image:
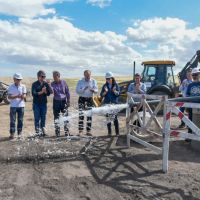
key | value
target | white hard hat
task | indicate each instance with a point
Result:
(109, 75)
(196, 70)
(18, 76)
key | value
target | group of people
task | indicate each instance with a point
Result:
(86, 88)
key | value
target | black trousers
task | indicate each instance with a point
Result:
(85, 103)
(136, 122)
(60, 107)
(116, 124)
(190, 118)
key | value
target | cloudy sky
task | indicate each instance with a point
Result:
(102, 35)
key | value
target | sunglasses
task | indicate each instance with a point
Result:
(108, 78)
(43, 76)
(195, 74)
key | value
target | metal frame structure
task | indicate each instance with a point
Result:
(145, 124)
(165, 132)
(173, 107)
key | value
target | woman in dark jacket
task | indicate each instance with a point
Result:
(110, 93)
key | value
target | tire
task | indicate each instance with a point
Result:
(159, 93)
(153, 106)
(5, 99)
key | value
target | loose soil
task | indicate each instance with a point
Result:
(98, 168)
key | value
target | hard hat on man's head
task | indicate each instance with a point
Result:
(18, 76)
(196, 70)
(109, 75)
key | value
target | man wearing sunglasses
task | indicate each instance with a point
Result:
(40, 90)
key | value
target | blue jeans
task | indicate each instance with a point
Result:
(20, 115)
(40, 111)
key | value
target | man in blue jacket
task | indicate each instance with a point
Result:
(40, 90)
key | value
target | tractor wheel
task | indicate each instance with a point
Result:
(5, 99)
(154, 105)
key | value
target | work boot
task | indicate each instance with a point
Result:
(37, 132)
(88, 133)
(11, 136)
(182, 126)
(80, 133)
(44, 132)
(19, 134)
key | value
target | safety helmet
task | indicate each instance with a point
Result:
(109, 75)
(196, 70)
(18, 76)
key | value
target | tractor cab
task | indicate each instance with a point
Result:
(158, 76)
(158, 73)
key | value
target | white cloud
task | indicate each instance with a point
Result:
(56, 42)
(27, 8)
(160, 38)
(53, 42)
(156, 30)
(99, 3)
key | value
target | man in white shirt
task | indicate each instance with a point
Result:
(137, 87)
(16, 95)
(86, 87)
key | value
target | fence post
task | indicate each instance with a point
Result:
(127, 122)
(166, 135)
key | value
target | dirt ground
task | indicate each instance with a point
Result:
(97, 168)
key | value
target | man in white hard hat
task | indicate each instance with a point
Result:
(17, 95)
(86, 88)
(193, 88)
